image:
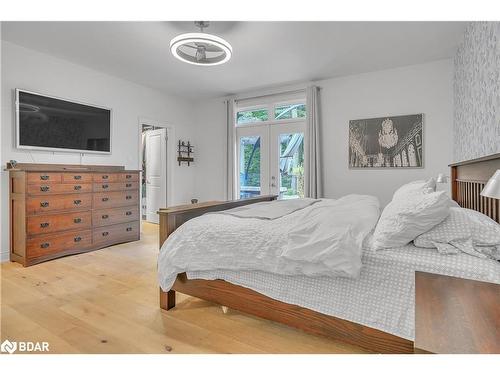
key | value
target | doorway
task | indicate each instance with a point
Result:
(154, 159)
(270, 160)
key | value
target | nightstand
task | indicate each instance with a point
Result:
(454, 315)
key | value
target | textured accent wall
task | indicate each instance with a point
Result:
(477, 92)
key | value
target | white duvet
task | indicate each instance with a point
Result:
(322, 239)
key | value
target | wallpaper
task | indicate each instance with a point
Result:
(477, 92)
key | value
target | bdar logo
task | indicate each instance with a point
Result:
(8, 347)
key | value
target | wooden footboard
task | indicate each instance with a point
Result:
(254, 303)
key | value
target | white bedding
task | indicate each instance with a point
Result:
(269, 210)
(383, 297)
(322, 239)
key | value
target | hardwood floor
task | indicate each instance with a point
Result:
(107, 302)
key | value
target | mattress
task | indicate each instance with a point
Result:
(383, 297)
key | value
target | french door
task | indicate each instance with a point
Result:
(270, 160)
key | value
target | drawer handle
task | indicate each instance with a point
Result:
(78, 187)
(44, 177)
(128, 213)
(104, 234)
(77, 239)
(105, 177)
(105, 199)
(44, 204)
(77, 201)
(129, 229)
(44, 225)
(128, 176)
(77, 220)
(45, 245)
(105, 186)
(44, 188)
(77, 177)
(128, 185)
(128, 197)
(105, 216)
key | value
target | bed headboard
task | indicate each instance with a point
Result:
(468, 179)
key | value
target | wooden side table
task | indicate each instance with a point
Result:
(454, 315)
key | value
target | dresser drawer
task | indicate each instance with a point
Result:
(55, 243)
(114, 215)
(115, 186)
(59, 222)
(105, 177)
(73, 177)
(130, 176)
(112, 234)
(37, 189)
(42, 204)
(34, 177)
(115, 199)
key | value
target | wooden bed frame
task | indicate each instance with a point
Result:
(467, 179)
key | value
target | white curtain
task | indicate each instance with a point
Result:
(313, 183)
(230, 150)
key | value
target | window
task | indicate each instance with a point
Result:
(290, 111)
(253, 115)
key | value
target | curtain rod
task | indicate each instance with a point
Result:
(268, 95)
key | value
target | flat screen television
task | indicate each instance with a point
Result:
(53, 124)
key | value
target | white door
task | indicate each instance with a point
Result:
(271, 160)
(286, 160)
(156, 173)
(252, 150)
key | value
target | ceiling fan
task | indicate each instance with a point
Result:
(201, 48)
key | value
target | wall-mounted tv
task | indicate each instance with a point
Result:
(53, 124)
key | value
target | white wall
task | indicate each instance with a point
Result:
(425, 88)
(31, 70)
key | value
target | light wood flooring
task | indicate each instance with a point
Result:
(106, 301)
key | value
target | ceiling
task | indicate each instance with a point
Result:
(265, 54)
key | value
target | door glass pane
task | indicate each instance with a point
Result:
(291, 166)
(288, 111)
(254, 115)
(249, 166)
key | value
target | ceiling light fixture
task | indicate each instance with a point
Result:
(201, 48)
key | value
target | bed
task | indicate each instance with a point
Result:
(375, 311)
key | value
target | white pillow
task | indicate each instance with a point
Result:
(462, 224)
(404, 219)
(415, 187)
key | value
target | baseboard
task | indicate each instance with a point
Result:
(4, 256)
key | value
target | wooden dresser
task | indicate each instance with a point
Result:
(58, 209)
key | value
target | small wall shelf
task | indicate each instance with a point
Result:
(184, 152)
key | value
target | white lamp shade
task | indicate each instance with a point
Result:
(441, 178)
(492, 188)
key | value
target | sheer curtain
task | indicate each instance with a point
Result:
(230, 151)
(313, 183)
